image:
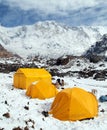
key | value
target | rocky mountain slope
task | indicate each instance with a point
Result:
(4, 53)
(99, 48)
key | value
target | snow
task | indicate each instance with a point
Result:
(15, 102)
(42, 37)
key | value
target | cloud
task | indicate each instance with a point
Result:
(75, 12)
(90, 16)
(53, 5)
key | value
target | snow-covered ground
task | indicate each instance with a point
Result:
(26, 113)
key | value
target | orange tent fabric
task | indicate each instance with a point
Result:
(23, 77)
(41, 89)
(74, 104)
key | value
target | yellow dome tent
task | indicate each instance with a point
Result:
(25, 76)
(41, 89)
(74, 104)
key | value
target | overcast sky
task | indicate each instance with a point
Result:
(78, 12)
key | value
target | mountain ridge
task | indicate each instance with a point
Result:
(49, 39)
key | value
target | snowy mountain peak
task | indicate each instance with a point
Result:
(48, 39)
(47, 24)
